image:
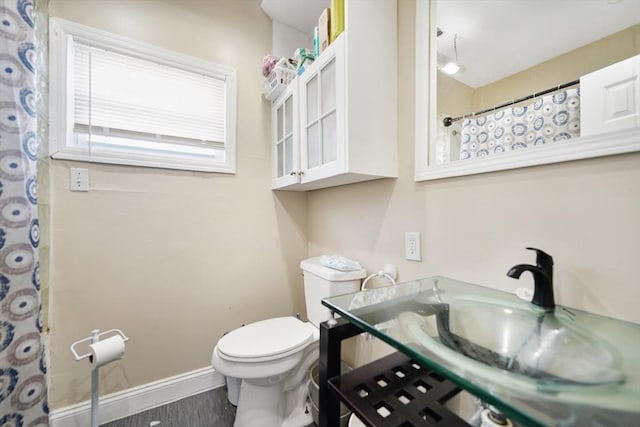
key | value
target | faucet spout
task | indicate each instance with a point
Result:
(542, 277)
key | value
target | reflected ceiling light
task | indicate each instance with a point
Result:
(450, 68)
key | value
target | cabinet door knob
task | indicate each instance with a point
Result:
(292, 173)
(300, 173)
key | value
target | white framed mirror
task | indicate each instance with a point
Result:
(543, 81)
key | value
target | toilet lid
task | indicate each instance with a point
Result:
(266, 338)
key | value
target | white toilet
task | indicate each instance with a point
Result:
(272, 357)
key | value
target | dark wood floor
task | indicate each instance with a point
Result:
(209, 409)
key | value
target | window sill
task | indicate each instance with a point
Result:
(198, 165)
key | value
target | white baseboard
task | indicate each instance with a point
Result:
(138, 399)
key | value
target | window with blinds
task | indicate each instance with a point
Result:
(132, 103)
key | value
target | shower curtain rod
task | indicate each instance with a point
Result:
(448, 121)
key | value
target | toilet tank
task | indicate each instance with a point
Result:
(322, 282)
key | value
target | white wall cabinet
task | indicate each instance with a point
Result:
(337, 122)
(610, 98)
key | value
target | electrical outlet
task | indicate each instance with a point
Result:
(79, 179)
(412, 246)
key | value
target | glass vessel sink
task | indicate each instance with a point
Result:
(548, 348)
(562, 367)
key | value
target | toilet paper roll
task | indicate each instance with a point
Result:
(106, 351)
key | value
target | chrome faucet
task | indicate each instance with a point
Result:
(542, 277)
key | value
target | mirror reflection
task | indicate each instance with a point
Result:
(513, 75)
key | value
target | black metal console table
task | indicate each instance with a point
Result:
(390, 391)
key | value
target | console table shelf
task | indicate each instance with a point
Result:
(396, 391)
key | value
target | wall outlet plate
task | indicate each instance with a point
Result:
(412, 246)
(79, 179)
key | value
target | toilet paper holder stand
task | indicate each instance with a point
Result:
(94, 338)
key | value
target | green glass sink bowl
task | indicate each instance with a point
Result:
(550, 350)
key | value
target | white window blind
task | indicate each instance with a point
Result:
(131, 103)
(124, 93)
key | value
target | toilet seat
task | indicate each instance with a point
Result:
(266, 340)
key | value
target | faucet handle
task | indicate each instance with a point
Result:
(543, 260)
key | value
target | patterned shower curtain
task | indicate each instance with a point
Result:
(23, 387)
(550, 118)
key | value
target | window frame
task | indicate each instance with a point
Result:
(62, 36)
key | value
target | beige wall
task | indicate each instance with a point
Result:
(173, 258)
(177, 258)
(454, 98)
(474, 228)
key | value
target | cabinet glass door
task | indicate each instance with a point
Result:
(328, 112)
(321, 116)
(312, 126)
(322, 127)
(285, 139)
